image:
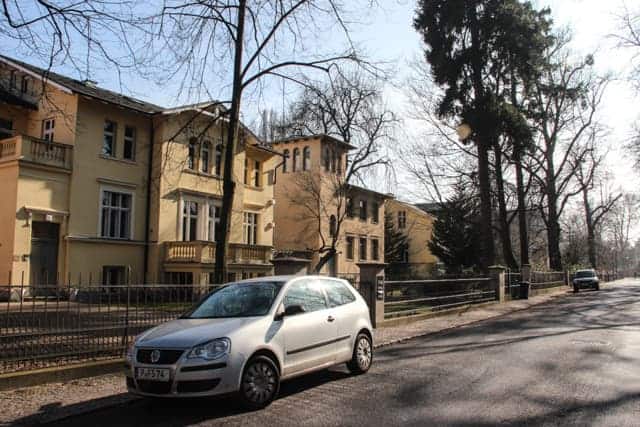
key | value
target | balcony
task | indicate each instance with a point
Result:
(200, 252)
(38, 151)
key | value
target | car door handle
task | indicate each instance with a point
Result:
(330, 319)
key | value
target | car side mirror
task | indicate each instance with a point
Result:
(290, 310)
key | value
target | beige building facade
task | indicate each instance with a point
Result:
(102, 188)
(417, 225)
(309, 214)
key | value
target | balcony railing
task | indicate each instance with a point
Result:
(190, 252)
(200, 252)
(38, 151)
(249, 254)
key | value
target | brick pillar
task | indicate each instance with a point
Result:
(496, 274)
(372, 282)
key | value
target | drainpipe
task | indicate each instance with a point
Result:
(147, 212)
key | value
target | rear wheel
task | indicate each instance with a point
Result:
(260, 383)
(575, 289)
(597, 286)
(362, 355)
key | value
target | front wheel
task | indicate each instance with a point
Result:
(362, 355)
(260, 383)
(575, 289)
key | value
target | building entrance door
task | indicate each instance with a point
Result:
(44, 256)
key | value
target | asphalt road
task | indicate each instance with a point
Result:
(574, 361)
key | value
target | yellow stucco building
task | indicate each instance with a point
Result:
(101, 187)
(417, 225)
(308, 213)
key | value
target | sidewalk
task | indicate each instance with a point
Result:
(54, 401)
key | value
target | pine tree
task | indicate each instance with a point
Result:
(456, 232)
(395, 241)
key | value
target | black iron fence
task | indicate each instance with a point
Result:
(406, 298)
(59, 325)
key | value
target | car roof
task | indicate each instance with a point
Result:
(282, 278)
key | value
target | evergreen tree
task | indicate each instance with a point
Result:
(395, 241)
(474, 49)
(456, 232)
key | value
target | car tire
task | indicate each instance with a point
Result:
(597, 286)
(260, 383)
(362, 355)
(575, 289)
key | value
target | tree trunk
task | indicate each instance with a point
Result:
(505, 234)
(522, 210)
(553, 234)
(228, 185)
(591, 233)
(487, 249)
(324, 259)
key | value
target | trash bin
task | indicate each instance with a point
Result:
(514, 291)
(524, 290)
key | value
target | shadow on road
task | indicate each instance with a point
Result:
(174, 412)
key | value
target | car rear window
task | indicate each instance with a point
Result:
(583, 274)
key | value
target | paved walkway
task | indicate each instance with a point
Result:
(50, 402)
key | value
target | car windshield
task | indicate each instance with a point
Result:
(237, 300)
(581, 274)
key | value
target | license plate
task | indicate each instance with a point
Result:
(153, 374)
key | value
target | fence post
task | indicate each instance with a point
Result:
(372, 277)
(496, 274)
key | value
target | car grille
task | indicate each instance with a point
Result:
(197, 386)
(167, 357)
(154, 387)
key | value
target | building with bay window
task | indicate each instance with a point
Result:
(103, 188)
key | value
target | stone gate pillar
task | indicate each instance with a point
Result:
(372, 281)
(496, 274)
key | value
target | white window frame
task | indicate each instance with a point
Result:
(184, 232)
(212, 222)
(48, 132)
(250, 229)
(132, 210)
(205, 157)
(113, 134)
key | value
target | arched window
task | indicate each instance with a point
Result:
(306, 158)
(327, 159)
(296, 159)
(218, 164)
(333, 225)
(204, 157)
(191, 159)
(285, 163)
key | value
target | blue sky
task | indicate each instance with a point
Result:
(386, 34)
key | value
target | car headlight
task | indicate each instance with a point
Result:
(211, 350)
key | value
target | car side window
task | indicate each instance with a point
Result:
(306, 293)
(337, 293)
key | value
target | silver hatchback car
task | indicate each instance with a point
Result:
(248, 336)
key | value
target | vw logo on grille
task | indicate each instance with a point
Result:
(155, 356)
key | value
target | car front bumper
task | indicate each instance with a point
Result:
(187, 377)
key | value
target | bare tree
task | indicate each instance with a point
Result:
(348, 107)
(591, 180)
(564, 111)
(262, 39)
(623, 218)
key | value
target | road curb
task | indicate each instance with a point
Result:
(35, 377)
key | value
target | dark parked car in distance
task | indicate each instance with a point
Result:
(585, 279)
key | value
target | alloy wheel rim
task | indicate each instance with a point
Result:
(363, 353)
(259, 382)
